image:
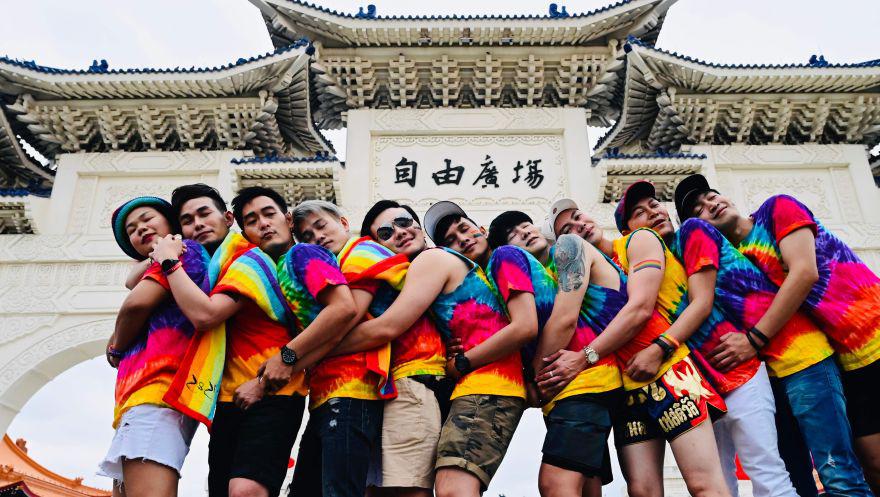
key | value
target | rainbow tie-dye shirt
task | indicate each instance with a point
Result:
(599, 307)
(261, 326)
(743, 294)
(473, 312)
(148, 366)
(419, 350)
(366, 266)
(846, 299)
(512, 269)
(303, 273)
(671, 302)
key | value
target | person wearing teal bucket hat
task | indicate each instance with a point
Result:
(150, 339)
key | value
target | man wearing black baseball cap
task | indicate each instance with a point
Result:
(814, 270)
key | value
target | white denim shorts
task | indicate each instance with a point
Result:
(150, 432)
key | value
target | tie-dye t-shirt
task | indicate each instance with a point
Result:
(473, 312)
(512, 269)
(349, 376)
(419, 350)
(148, 366)
(303, 273)
(846, 299)
(743, 294)
(671, 302)
(599, 307)
(252, 336)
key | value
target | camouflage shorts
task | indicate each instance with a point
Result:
(477, 432)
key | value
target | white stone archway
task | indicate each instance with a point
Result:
(36, 349)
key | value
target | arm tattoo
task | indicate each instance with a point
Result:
(570, 262)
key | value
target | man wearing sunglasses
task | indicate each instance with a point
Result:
(411, 422)
(489, 396)
(347, 388)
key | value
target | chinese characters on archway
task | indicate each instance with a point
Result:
(486, 174)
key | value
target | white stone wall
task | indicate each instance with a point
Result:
(60, 289)
(379, 139)
(833, 180)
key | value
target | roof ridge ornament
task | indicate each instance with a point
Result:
(818, 61)
(555, 13)
(369, 14)
(99, 67)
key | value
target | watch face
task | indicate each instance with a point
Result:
(593, 357)
(288, 356)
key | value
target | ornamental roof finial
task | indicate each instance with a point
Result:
(99, 67)
(556, 13)
(818, 61)
(369, 14)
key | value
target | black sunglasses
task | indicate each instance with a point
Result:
(386, 231)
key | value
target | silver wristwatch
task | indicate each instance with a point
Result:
(591, 355)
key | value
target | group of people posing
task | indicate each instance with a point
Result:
(419, 345)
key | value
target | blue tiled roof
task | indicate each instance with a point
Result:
(614, 154)
(101, 67)
(273, 159)
(816, 62)
(24, 192)
(554, 12)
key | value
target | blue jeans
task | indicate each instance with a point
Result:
(818, 405)
(336, 447)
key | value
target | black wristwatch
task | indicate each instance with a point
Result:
(288, 356)
(462, 364)
(668, 350)
(168, 265)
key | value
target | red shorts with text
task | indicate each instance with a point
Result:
(668, 407)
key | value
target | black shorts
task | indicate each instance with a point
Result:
(862, 399)
(668, 407)
(253, 444)
(577, 434)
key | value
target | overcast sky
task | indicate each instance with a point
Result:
(67, 424)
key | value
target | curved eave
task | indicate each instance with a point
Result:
(234, 79)
(649, 70)
(704, 77)
(287, 19)
(17, 169)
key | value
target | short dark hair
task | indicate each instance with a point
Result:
(503, 224)
(380, 207)
(444, 224)
(245, 195)
(185, 193)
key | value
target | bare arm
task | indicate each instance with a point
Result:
(425, 279)
(642, 289)
(701, 293)
(522, 328)
(643, 286)
(203, 311)
(330, 347)
(799, 254)
(342, 307)
(573, 268)
(134, 313)
(136, 273)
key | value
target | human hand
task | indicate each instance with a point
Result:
(561, 368)
(168, 247)
(644, 365)
(275, 374)
(733, 350)
(248, 394)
